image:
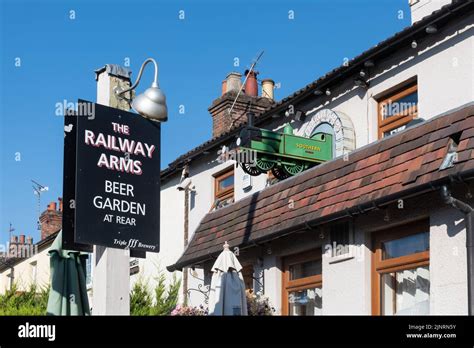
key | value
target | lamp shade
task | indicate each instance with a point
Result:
(151, 104)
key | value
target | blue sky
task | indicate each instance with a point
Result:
(59, 55)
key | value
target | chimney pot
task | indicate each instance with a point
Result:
(251, 85)
(22, 239)
(234, 82)
(60, 204)
(14, 239)
(268, 86)
(52, 206)
(224, 87)
(29, 240)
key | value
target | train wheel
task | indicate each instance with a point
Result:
(279, 173)
(250, 169)
(264, 165)
(297, 168)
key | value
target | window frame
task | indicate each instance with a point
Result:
(380, 266)
(228, 192)
(397, 120)
(301, 283)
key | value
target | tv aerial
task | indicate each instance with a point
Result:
(38, 189)
(251, 69)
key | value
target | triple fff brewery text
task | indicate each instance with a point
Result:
(119, 144)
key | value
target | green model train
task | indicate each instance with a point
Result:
(284, 154)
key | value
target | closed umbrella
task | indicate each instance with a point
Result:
(227, 293)
(68, 293)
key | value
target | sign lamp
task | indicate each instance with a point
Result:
(152, 103)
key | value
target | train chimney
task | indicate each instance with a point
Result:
(268, 86)
(251, 85)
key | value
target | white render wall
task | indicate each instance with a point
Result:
(443, 66)
(23, 272)
(347, 279)
(171, 236)
(448, 266)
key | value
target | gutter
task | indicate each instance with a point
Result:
(349, 212)
(468, 212)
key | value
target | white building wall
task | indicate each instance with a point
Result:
(273, 281)
(171, 237)
(423, 8)
(442, 65)
(448, 266)
(24, 272)
(346, 279)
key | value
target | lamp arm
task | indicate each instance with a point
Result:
(155, 81)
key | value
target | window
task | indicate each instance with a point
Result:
(247, 274)
(400, 270)
(34, 271)
(134, 266)
(224, 188)
(397, 109)
(302, 284)
(89, 271)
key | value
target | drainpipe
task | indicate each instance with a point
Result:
(186, 189)
(469, 221)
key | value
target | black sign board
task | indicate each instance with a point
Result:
(117, 191)
(69, 184)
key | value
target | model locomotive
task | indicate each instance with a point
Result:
(284, 154)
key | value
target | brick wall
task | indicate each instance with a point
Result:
(221, 120)
(51, 220)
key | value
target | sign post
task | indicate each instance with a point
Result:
(111, 267)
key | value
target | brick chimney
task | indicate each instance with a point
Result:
(51, 220)
(248, 100)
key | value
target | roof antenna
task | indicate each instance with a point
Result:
(252, 67)
(38, 189)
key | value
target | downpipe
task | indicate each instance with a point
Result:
(469, 222)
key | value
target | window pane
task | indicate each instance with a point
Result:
(305, 269)
(226, 183)
(406, 292)
(89, 269)
(400, 106)
(405, 246)
(306, 302)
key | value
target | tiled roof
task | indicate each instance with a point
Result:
(375, 53)
(401, 165)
